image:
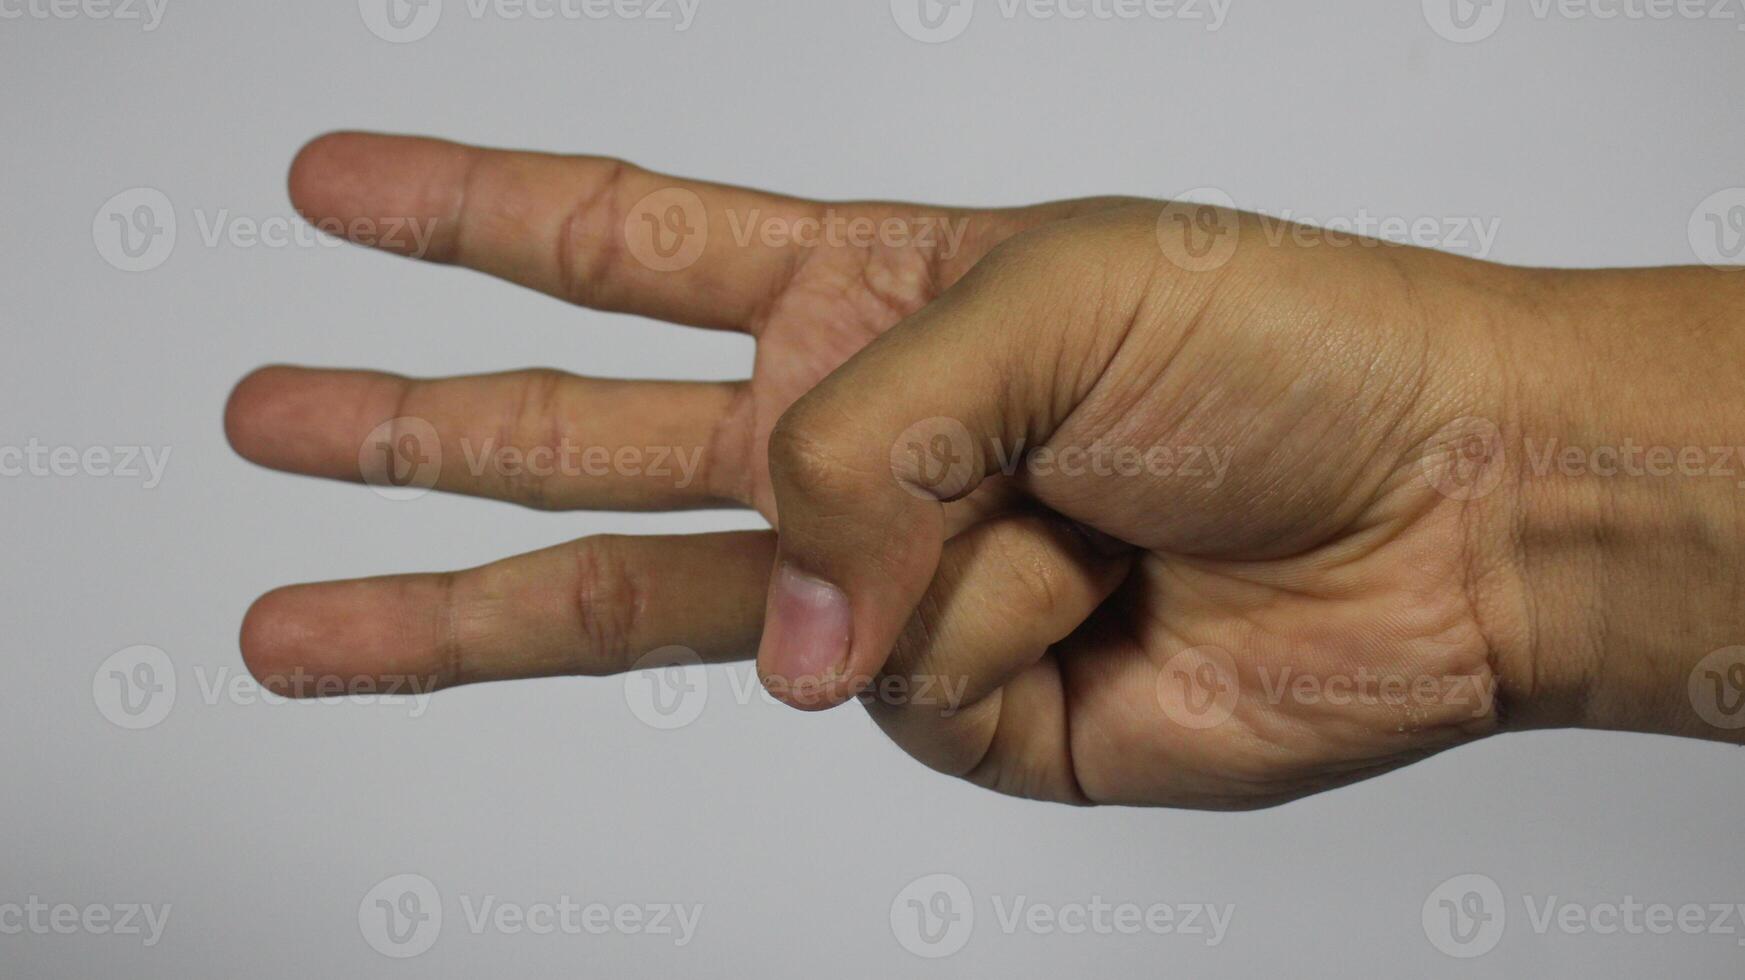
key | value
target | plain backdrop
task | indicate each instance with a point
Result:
(264, 826)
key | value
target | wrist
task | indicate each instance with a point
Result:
(1624, 507)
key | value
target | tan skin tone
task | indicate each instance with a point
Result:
(1071, 635)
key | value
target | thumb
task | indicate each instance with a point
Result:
(864, 464)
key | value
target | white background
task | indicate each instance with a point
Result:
(264, 826)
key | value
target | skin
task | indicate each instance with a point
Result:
(1372, 571)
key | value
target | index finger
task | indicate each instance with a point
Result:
(595, 231)
(607, 234)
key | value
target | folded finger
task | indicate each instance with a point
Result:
(974, 653)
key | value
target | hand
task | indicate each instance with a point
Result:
(1348, 553)
(1310, 577)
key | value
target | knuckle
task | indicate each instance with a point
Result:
(809, 457)
(914, 649)
(1039, 586)
(535, 425)
(591, 247)
(1037, 254)
(606, 602)
(450, 661)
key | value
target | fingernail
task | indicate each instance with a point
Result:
(807, 635)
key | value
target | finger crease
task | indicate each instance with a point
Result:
(589, 286)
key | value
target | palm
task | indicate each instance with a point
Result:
(1200, 713)
(826, 313)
